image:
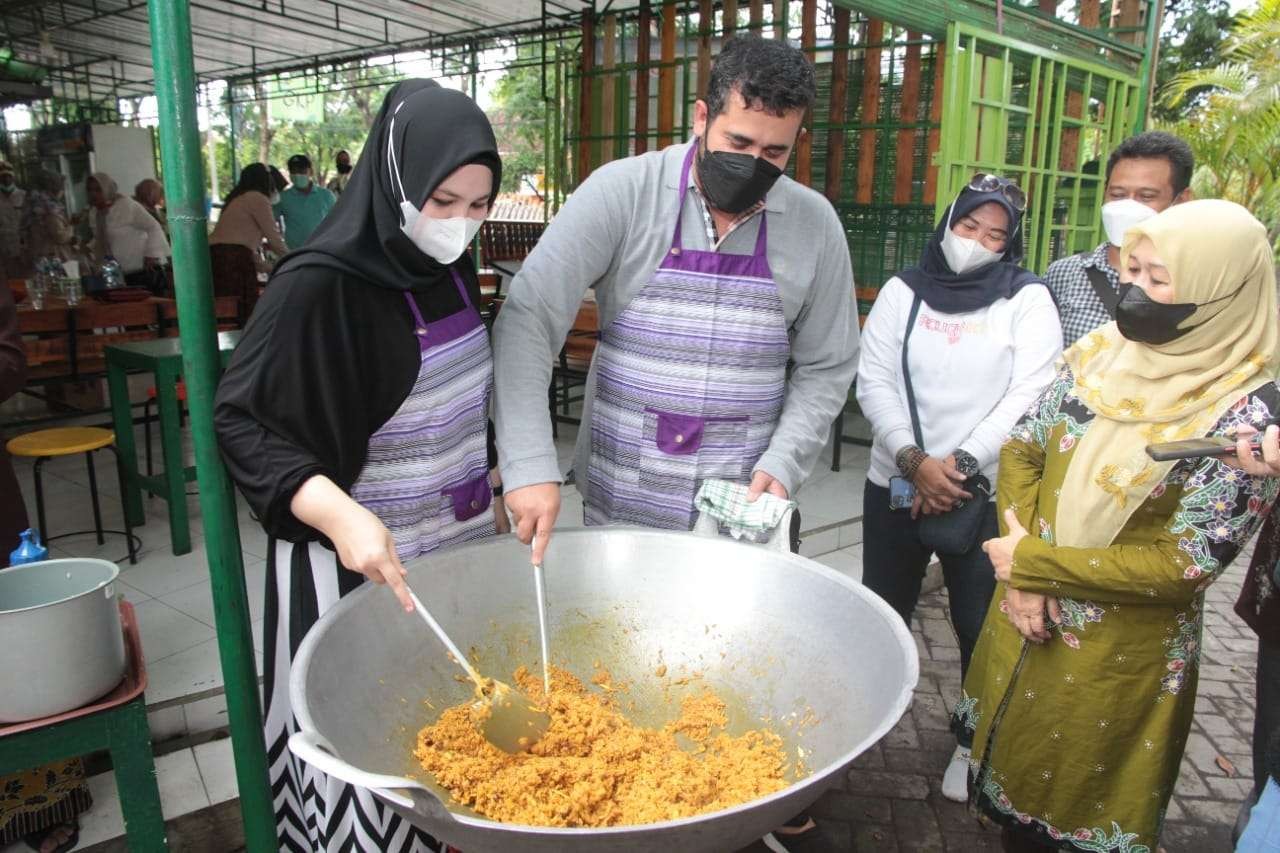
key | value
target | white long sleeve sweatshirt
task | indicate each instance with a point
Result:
(974, 374)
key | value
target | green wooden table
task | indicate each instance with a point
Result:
(164, 359)
(117, 723)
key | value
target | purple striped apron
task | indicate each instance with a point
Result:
(690, 381)
(427, 471)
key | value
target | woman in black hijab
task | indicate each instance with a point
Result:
(353, 415)
(954, 351)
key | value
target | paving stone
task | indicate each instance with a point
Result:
(872, 759)
(930, 713)
(1243, 762)
(1203, 754)
(1215, 688)
(1211, 811)
(1238, 644)
(916, 761)
(938, 741)
(915, 826)
(1189, 838)
(1175, 810)
(1189, 783)
(945, 653)
(1217, 727)
(938, 632)
(1230, 790)
(902, 736)
(837, 805)
(953, 818)
(869, 838)
(972, 843)
(904, 786)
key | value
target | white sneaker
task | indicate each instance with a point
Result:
(955, 782)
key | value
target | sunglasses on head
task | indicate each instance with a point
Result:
(988, 183)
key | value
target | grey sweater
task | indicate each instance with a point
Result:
(610, 237)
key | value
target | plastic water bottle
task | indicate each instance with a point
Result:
(112, 275)
(29, 549)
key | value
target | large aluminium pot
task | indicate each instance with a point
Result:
(781, 637)
(60, 637)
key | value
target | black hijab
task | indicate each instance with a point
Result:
(950, 293)
(435, 131)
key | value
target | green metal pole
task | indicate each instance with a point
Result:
(1150, 50)
(184, 182)
(231, 133)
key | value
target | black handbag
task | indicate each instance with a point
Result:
(954, 532)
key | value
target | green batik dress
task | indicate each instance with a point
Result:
(1078, 740)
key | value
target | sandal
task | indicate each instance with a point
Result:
(36, 840)
(798, 825)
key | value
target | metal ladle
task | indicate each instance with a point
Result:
(512, 722)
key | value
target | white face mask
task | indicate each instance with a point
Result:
(442, 239)
(965, 254)
(1119, 216)
(274, 198)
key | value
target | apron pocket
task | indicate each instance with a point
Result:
(470, 498)
(677, 435)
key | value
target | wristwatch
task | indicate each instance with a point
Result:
(966, 463)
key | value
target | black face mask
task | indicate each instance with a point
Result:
(734, 182)
(1142, 319)
(344, 168)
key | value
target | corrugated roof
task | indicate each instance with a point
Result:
(106, 44)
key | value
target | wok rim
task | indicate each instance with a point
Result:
(302, 664)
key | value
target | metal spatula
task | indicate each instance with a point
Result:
(511, 722)
(539, 588)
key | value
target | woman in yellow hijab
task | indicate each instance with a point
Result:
(1083, 683)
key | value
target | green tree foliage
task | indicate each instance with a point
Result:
(347, 107)
(1192, 38)
(520, 122)
(1233, 123)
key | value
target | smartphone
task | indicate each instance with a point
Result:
(902, 493)
(1194, 448)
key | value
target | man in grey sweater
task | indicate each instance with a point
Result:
(728, 325)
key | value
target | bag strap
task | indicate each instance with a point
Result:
(1102, 287)
(906, 374)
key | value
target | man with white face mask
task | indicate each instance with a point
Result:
(1145, 174)
(954, 351)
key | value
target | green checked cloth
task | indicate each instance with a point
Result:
(727, 502)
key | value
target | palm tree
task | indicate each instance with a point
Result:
(1235, 127)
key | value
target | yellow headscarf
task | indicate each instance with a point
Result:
(1141, 394)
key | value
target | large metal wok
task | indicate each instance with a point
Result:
(780, 637)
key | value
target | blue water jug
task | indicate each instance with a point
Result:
(29, 549)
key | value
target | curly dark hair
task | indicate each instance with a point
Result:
(1158, 145)
(766, 72)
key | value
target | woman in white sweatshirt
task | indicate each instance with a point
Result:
(983, 339)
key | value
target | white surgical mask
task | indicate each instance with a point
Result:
(274, 198)
(965, 254)
(1119, 216)
(442, 239)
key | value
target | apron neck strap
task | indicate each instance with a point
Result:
(677, 239)
(462, 291)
